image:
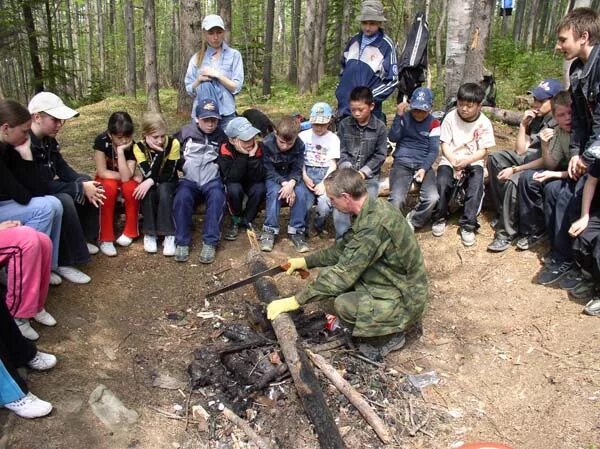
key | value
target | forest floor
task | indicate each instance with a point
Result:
(517, 362)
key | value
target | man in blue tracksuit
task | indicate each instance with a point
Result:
(369, 60)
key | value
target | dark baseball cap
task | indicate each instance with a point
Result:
(546, 89)
(207, 108)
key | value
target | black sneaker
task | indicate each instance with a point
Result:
(554, 272)
(232, 231)
(529, 241)
(572, 279)
(267, 240)
(585, 289)
(395, 343)
(499, 244)
(299, 242)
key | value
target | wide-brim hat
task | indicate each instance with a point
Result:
(371, 11)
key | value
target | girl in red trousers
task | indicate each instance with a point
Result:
(115, 166)
(27, 256)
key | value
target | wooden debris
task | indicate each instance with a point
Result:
(243, 425)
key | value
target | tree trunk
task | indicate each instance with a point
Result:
(304, 80)
(150, 56)
(347, 10)
(268, 54)
(543, 31)
(77, 56)
(100, 39)
(34, 53)
(460, 14)
(72, 57)
(438, 42)
(90, 49)
(533, 24)
(323, 45)
(129, 22)
(478, 40)
(518, 22)
(318, 45)
(174, 47)
(190, 27)
(224, 7)
(295, 38)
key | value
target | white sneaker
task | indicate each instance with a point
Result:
(42, 361)
(438, 228)
(26, 330)
(108, 249)
(409, 220)
(55, 279)
(467, 237)
(92, 249)
(169, 245)
(123, 240)
(73, 275)
(29, 407)
(150, 244)
(45, 318)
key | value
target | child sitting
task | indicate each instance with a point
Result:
(363, 146)
(283, 159)
(240, 161)
(322, 150)
(157, 155)
(115, 166)
(201, 180)
(466, 136)
(417, 138)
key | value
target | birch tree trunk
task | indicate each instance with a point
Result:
(304, 80)
(438, 41)
(478, 40)
(130, 79)
(150, 56)
(460, 14)
(190, 28)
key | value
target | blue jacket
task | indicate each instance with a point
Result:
(363, 148)
(417, 143)
(376, 68)
(283, 165)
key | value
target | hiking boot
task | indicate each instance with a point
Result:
(585, 289)
(371, 351)
(45, 318)
(529, 241)
(29, 407)
(554, 272)
(207, 254)
(499, 244)
(232, 231)
(150, 244)
(123, 240)
(26, 330)
(92, 249)
(73, 275)
(467, 237)
(572, 279)
(182, 253)
(267, 240)
(438, 228)
(169, 246)
(108, 249)
(395, 343)
(299, 242)
(42, 361)
(593, 307)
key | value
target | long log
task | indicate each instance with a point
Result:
(353, 396)
(512, 118)
(305, 379)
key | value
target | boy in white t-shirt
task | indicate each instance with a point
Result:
(322, 150)
(466, 137)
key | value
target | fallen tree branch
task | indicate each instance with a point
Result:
(512, 118)
(353, 396)
(243, 425)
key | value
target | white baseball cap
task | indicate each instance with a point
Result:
(211, 21)
(52, 105)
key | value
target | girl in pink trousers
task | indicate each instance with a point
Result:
(27, 256)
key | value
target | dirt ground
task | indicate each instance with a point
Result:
(517, 362)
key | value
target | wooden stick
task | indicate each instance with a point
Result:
(353, 396)
(256, 438)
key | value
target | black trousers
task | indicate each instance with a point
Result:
(255, 192)
(586, 247)
(157, 209)
(531, 204)
(80, 224)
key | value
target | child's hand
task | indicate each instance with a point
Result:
(253, 151)
(238, 146)
(24, 150)
(287, 190)
(544, 176)
(579, 226)
(140, 191)
(121, 148)
(319, 189)
(210, 72)
(401, 108)
(419, 175)
(94, 192)
(10, 224)
(528, 116)
(546, 134)
(576, 167)
(310, 185)
(461, 163)
(505, 174)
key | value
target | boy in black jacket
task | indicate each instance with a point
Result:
(242, 171)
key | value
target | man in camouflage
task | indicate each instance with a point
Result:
(375, 273)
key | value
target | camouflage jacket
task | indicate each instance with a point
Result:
(380, 257)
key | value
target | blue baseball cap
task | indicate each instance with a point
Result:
(422, 99)
(546, 89)
(241, 128)
(207, 108)
(320, 113)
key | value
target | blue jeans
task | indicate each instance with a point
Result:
(187, 196)
(324, 206)
(297, 223)
(401, 179)
(341, 221)
(44, 214)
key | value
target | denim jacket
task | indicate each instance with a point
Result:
(363, 148)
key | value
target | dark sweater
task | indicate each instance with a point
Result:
(417, 143)
(280, 165)
(20, 180)
(240, 168)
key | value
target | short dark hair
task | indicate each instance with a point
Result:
(471, 93)
(13, 113)
(562, 98)
(120, 123)
(288, 129)
(345, 180)
(362, 93)
(582, 20)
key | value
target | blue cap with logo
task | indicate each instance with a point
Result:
(207, 108)
(546, 89)
(240, 128)
(422, 99)
(321, 113)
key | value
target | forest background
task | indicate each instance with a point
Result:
(87, 50)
